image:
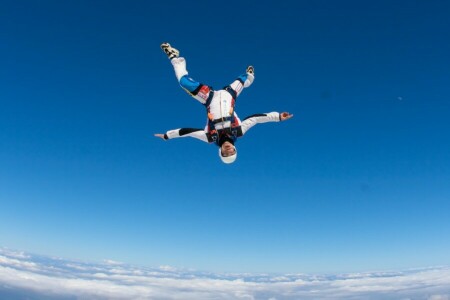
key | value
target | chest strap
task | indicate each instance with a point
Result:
(215, 121)
(233, 133)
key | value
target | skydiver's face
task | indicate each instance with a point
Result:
(227, 149)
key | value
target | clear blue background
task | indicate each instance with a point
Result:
(359, 179)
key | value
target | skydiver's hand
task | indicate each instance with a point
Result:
(160, 136)
(285, 116)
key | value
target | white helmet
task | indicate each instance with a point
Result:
(228, 159)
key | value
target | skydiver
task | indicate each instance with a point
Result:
(223, 126)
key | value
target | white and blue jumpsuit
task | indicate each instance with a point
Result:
(223, 121)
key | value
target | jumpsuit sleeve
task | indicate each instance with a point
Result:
(252, 120)
(187, 132)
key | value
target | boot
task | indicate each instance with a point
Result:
(169, 50)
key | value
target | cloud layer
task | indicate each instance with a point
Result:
(24, 275)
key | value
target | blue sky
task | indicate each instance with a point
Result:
(357, 180)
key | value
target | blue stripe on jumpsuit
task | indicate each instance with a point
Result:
(242, 78)
(189, 84)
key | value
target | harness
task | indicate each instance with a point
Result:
(232, 132)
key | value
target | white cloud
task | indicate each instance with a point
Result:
(14, 254)
(112, 262)
(168, 268)
(57, 277)
(16, 263)
(439, 297)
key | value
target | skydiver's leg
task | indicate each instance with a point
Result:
(243, 81)
(197, 90)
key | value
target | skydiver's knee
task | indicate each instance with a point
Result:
(188, 83)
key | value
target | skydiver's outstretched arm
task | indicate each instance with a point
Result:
(184, 132)
(252, 120)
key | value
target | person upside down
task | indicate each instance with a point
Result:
(223, 126)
